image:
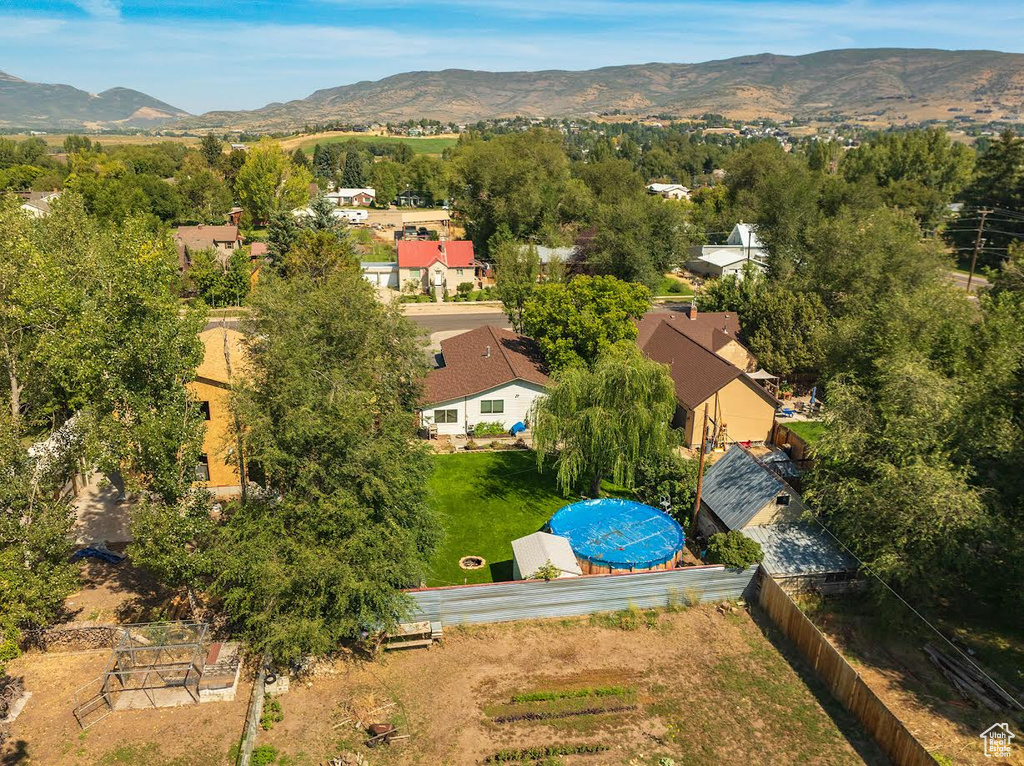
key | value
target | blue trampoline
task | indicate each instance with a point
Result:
(619, 534)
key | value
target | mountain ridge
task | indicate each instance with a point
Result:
(896, 83)
(29, 105)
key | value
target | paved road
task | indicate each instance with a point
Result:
(960, 280)
(460, 321)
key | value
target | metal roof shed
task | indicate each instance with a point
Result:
(801, 551)
(532, 552)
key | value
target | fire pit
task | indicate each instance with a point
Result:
(472, 562)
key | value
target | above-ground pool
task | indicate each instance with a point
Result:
(619, 535)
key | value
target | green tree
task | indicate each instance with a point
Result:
(269, 182)
(204, 196)
(317, 254)
(327, 410)
(386, 178)
(517, 267)
(733, 549)
(353, 176)
(575, 321)
(607, 421)
(219, 281)
(300, 159)
(211, 148)
(668, 481)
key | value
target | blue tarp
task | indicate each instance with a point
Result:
(517, 428)
(622, 534)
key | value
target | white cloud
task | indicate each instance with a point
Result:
(101, 9)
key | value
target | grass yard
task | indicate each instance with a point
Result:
(426, 145)
(808, 430)
(697, 686)
(485, 501)
(673, 288)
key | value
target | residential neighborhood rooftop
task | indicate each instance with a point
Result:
(799, 548)
(482, 359)
(712, 330)
(223, 354)
(696, 371)
(419, 254)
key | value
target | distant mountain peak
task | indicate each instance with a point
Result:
(887, 84)
(41, 106)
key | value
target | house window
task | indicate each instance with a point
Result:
(782, 500)
(492, 406)
(414, 273)
(204, 407)
(458, 272)
(203, 468)
(446, 416)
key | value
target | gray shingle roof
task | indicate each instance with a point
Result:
(737, 486)
(799, 548)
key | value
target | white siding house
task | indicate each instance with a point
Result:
(489, 375)
(507, 404)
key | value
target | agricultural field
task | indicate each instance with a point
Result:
(57, 139)
(697, 685)
(425, 145)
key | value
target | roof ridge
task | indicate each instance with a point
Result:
(707, 351)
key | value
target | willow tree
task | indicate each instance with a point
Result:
(603, 422)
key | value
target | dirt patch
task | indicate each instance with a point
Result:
(696, 686)
(46, 732)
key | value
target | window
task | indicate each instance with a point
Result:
(782, 500)
(414, 273)
(446, 416)
(458, 272)
(204, 407)
(203, 469)
(492, 406)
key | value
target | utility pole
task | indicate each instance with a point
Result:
(983, 212)
(700, 470)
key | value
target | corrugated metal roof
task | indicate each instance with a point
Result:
(534, 551)
(799, 548)
(737, 486)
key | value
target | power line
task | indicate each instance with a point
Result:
(920, 616)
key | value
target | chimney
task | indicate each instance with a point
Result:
(692, 311)
(725, 325)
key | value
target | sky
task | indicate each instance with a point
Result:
(201, 55)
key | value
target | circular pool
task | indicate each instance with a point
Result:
(611, 535)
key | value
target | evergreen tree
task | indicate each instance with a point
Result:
(352, 177)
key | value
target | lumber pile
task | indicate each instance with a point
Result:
(973, 685)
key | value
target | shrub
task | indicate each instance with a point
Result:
(465, 288)
(272, 714)
(264, 755)
(537, 753)
(489, 429)
(547, 572)
(734, 549)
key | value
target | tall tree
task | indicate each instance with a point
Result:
(517, 268)
(575, 321)
(353, 177)
(327, 407)
(606, 422)
(205, 197)
(269, 182)
(211, 148)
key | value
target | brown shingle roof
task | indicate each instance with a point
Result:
(697, 372)
(469, 370)
(711, 330)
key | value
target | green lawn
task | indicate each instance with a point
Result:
(672, 287)
(485, 501)
(427, 145)
(808, 430)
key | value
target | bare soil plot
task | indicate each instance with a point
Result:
(890, 659)
(699, 686)
(46, 732)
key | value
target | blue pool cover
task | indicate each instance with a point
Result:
(621, 534)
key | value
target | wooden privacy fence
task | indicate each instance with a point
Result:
(842, 680)
(574, 596)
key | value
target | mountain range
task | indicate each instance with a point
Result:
(41, 106)
(894, 85)
(884, 85)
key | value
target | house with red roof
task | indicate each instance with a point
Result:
(488, 375)
(428, 266)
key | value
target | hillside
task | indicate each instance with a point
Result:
(41, 106)
(897, 84)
